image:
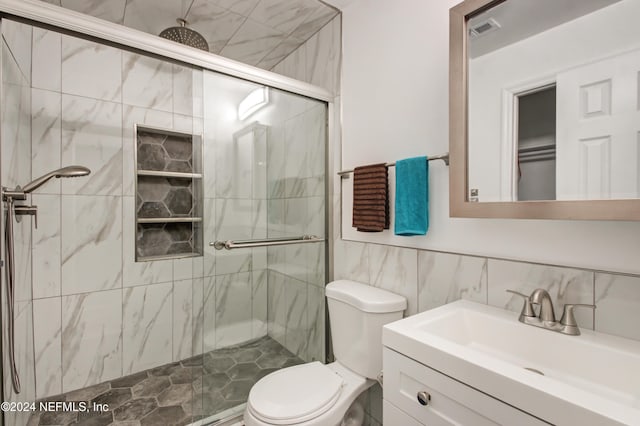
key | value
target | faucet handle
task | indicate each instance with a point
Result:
(527, 308)
(568, 320)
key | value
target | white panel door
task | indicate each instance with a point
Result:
(597, 130)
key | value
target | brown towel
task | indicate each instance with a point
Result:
(370, 198)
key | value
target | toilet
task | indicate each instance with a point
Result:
(315, 394)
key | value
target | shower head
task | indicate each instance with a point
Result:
(69, 171)
(186, 36)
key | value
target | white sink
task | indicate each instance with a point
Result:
(592, 379)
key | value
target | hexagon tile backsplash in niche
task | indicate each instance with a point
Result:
(168, 194)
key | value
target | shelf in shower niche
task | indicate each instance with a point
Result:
(168, 257)
(169, 219)
(177, 175)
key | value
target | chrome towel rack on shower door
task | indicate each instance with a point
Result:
(230, 244)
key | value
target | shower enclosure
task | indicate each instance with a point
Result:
(120, 299)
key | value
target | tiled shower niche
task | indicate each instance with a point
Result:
(168, 194)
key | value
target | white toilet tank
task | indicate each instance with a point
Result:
(357, 313)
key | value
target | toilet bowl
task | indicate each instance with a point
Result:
(311, 394)
(315, 394)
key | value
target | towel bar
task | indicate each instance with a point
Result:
(230, 245)
(444, 157)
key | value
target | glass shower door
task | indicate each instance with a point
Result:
(263, 307)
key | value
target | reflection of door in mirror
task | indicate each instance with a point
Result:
(599, 124)
(535, 119)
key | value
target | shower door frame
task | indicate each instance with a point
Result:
(66, 21)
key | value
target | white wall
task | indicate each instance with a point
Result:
(394, 105)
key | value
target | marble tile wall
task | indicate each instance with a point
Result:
(430, 279)
(16, 170)
(97, 314)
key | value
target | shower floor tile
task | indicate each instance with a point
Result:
(175, 394)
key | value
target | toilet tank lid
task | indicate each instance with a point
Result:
(365, 297)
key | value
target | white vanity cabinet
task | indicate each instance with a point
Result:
(451, 402)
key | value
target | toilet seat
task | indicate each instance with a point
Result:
(295, 394)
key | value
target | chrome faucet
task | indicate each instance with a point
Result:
(546, 317)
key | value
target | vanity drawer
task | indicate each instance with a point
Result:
(451, 403)
(393, 416)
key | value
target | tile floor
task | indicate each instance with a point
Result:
(178, 393)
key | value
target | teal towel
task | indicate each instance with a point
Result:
(412, 196)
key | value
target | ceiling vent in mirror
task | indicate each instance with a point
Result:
(483, 28)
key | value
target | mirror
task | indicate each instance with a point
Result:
(545, 109)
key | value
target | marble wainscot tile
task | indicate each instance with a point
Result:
(297, 324)
(47, 338)
(233, 319)
(323, 57)
(216, 24)
(283, 15)
(141, 116)
(182, 319)
(259, 302)
(352, 261)
(91, 69)
(147, 82)
(444, 278)
(276, 306)
(91, 243)
(565, 285)
(46, 134)
(112, 10)
(395, 269)
(46, 247)
(316, 318)
(618, 304)
(47, 58)
(252, 42)
(91, 338)
(92, 137)
(139, 273)
(146, 316)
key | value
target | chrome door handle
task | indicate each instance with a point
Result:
(424, 398)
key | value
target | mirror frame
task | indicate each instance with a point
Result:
(459, 204)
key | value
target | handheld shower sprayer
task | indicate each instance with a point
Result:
(9, 196)
(21, 193)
